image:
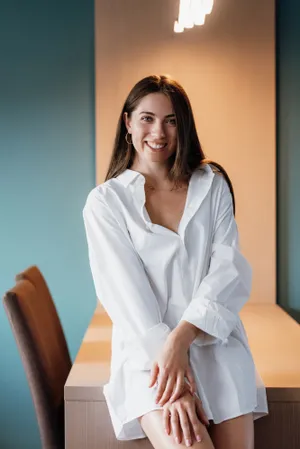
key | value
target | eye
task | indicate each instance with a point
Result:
(172, 121)
(146, 118)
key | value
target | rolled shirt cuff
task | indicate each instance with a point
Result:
(212, 318)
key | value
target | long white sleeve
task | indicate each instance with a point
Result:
(227, 285)
(121, 283)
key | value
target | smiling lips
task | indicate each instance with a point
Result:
(156, 146)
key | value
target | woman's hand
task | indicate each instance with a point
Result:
(184, 418)
(170, 370)
(172, 365)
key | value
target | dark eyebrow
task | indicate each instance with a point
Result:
(151, 113)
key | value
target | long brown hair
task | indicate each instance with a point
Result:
(188, 156)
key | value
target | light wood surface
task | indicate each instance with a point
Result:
(274, 339)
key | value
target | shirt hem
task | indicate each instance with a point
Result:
(257, 413)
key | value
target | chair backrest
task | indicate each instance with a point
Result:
(43, 349)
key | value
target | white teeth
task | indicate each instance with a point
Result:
(156, 147)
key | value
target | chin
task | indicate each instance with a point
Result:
(159, 158)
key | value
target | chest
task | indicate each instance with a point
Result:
(166, 208)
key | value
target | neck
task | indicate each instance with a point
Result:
(156, 175)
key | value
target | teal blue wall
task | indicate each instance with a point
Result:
(288, 152)
(46, 171)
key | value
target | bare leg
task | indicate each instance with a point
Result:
(237, 433)
(152, 424)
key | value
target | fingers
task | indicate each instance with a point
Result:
(175, 425)
(185, 426)
(195, 423)
(190, 377)
(162, 382)
(153, 374)
(185, 418)
(166, 420)
(168, 391)
(200, 411)
(178, 387)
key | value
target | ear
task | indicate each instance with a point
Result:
(127, 121)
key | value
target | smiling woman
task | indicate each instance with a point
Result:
(158, 111)
(152, 126)
(167, 267)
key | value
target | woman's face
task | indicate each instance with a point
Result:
(152, 128)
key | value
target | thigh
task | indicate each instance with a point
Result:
(237, 433)
(152, 424)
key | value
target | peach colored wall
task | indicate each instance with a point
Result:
(228, 70)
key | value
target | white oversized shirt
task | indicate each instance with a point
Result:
(149, 278)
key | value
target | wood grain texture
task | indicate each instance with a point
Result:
(280, 429)
(88, 426)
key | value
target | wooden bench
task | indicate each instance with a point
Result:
(274, 339)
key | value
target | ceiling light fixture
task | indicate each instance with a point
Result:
(192, 12)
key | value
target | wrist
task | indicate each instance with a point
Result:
(184, 334)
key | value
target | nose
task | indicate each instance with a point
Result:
(158, 130)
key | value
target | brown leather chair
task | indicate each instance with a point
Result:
(43, 349)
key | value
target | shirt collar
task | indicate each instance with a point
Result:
(128, 175)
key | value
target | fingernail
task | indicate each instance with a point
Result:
(177, 440)
(198, 438)
(188, 442)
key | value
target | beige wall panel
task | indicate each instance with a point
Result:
(228, 69)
